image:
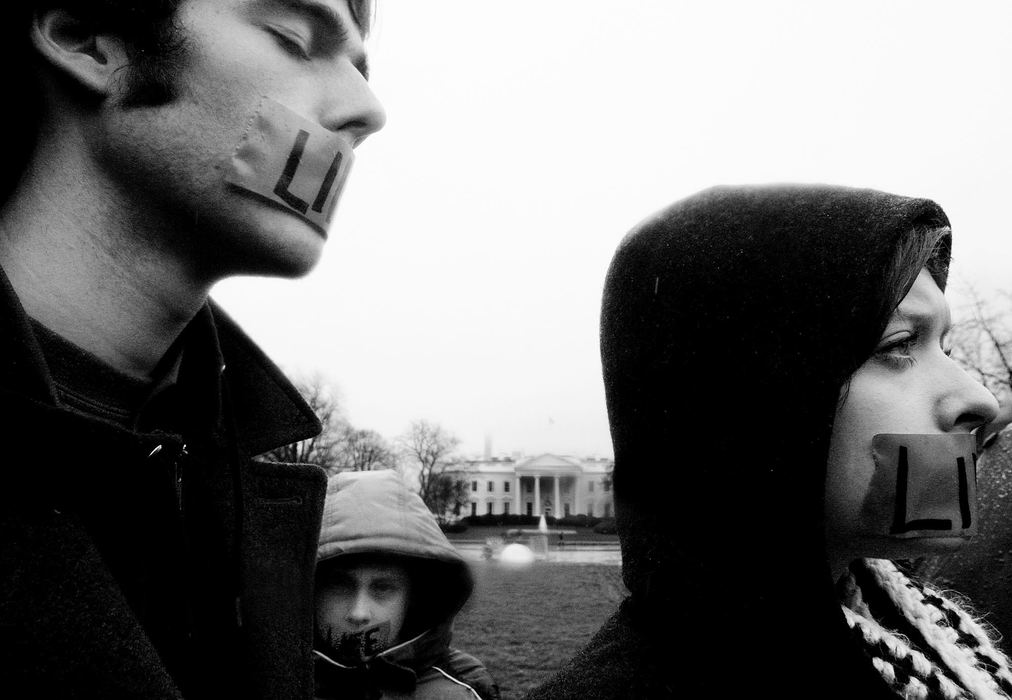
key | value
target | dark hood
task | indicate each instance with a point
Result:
(730, 322)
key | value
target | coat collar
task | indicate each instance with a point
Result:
(23, 369)
(417, 654)
(268, 411)
(397, 668)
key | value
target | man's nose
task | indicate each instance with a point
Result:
(353, 106)
(360, 611)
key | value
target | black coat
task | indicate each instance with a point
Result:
(100, 544)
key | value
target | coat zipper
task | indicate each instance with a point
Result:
(177, 474)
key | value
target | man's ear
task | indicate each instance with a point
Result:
(72, 46)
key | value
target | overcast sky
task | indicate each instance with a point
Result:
(463, 273)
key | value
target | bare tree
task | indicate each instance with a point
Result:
(447, 494)
(608, 480)
(429, 448)
(363, 450)
(340, 446)
(325, 449)
(982, 344)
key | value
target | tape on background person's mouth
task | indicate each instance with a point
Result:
(291, 161)
(363, 644)
(924, 486)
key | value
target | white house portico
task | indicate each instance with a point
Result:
(555, 485)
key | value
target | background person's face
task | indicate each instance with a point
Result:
(351, 599)
(167, 158)
(909, 385)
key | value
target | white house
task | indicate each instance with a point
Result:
(557, 485)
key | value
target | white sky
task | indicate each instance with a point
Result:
(462, 277)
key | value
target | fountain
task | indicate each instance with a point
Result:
(522, 547)
(538, 539)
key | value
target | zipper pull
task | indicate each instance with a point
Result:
(177, 472)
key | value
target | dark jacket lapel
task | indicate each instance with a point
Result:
(63, 618)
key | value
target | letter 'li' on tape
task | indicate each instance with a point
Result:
(291, 161)
(923, 486)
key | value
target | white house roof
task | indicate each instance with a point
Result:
(547, 464)
(541, 465)
(505, 468)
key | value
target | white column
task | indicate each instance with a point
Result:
(516, 494)
(537, 495)
(557, 507)
(576, 495)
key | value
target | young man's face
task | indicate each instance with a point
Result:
(168, 162)
(352, 599)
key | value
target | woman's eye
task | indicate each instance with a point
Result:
(899, 353)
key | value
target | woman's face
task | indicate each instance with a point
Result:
(911, 386)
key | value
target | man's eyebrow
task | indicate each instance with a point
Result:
(332, 23)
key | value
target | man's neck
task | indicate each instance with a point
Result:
(86, 272)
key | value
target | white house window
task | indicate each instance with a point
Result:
(489, 507)
(474, 508)
(505, 507)
(474, 485)
(491, 486)
(506, 487)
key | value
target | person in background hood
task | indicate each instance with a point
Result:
(786, 421)
(388, 585)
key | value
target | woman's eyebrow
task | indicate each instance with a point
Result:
(923, 319)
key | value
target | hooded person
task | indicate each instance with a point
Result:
(388, 586)
(786, 422)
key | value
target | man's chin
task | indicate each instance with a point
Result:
(284, 247)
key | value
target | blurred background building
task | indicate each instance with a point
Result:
(549, 484)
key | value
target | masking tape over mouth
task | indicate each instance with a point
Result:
(365, 643)
(923, 486)
(291, 161)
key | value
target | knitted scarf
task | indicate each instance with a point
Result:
(925, 645)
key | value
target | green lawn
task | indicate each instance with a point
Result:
(524, 623)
